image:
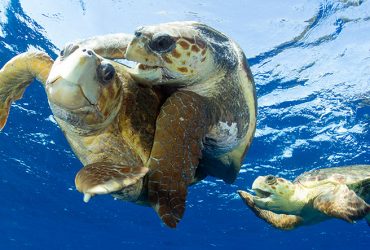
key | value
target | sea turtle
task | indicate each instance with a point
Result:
(213, 104)
(106, 117)
(209, 115)
(314, 196)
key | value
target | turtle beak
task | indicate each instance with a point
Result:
(148, 68)
(257, 187)
(74, 67)
(72, 80)
(261, 193)
(257, 182)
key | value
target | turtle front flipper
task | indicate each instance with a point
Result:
(280, 221)
(342, 203)
(112, 46)
(106, 178)
(17, 74)
(180, 128)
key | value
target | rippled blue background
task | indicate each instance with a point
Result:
(311, 62)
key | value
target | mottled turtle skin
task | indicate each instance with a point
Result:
(213, 107)
(106, 117)
(314, 196)
(204, 127)
(207, 123)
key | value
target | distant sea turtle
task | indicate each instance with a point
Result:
(314, 196)
(106, 117)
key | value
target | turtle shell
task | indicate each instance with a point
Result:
(349, 175)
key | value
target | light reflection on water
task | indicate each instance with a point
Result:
(310, 60)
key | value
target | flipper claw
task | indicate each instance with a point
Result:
(87, 197)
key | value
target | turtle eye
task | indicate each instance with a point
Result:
(105, 72)
(270, 179)
(162, 43)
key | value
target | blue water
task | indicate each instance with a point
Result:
(302, 124)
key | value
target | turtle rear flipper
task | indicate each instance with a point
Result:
(180, 128)
(342, 203)
(280, 221)
(17, 74)
(106, 178)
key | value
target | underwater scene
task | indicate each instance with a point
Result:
(310, 61)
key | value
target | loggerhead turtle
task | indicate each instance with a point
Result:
(314, 196)
(209, 115)
(213, 106)
(106, 117)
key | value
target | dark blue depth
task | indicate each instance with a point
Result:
(40, 208)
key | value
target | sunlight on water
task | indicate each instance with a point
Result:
(310, 60)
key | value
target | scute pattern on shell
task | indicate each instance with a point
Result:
(345, 175)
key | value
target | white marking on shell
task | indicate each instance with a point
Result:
(223, 136)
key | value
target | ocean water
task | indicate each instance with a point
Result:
(311, 63)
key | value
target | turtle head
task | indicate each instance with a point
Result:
(83, 88)
(274, 194)
(181, 53)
